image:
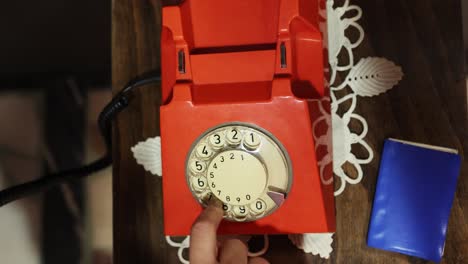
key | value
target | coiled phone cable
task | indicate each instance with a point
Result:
(107, 115)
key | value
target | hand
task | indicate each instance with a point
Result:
(204, 245)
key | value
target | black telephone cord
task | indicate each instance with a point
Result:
(107, 115)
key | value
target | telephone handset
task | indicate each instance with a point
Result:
(244, 166)
(241, 88)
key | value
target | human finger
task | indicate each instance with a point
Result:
(203, 234)
(233, 251)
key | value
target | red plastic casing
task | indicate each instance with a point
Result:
(232, 72)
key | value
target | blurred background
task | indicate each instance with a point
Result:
(465, 26)
(54, 80)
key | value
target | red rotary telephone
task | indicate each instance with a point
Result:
(241, 85)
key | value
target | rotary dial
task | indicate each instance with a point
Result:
(243, 166)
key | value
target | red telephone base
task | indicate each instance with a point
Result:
(259, 63)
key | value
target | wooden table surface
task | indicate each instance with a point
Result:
(429, 106)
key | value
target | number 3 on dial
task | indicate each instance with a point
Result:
(216, 140)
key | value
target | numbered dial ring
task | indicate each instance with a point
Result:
(243, 166)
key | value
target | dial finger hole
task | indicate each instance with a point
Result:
(233, 136)
(240, 211)
(199, 184)
(206, 198)
(258, 207)
(197, 166)
(204, 151)
(217, 140)
(252, 140)
(226, 208)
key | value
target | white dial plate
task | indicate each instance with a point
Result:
(242, 166)
(236, 177)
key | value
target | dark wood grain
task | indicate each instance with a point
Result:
(137, 195)
(429, 106)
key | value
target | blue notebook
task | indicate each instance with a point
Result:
(415, 190)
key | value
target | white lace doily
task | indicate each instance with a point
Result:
(370, 76)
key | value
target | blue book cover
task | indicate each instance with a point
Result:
(413, 197)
